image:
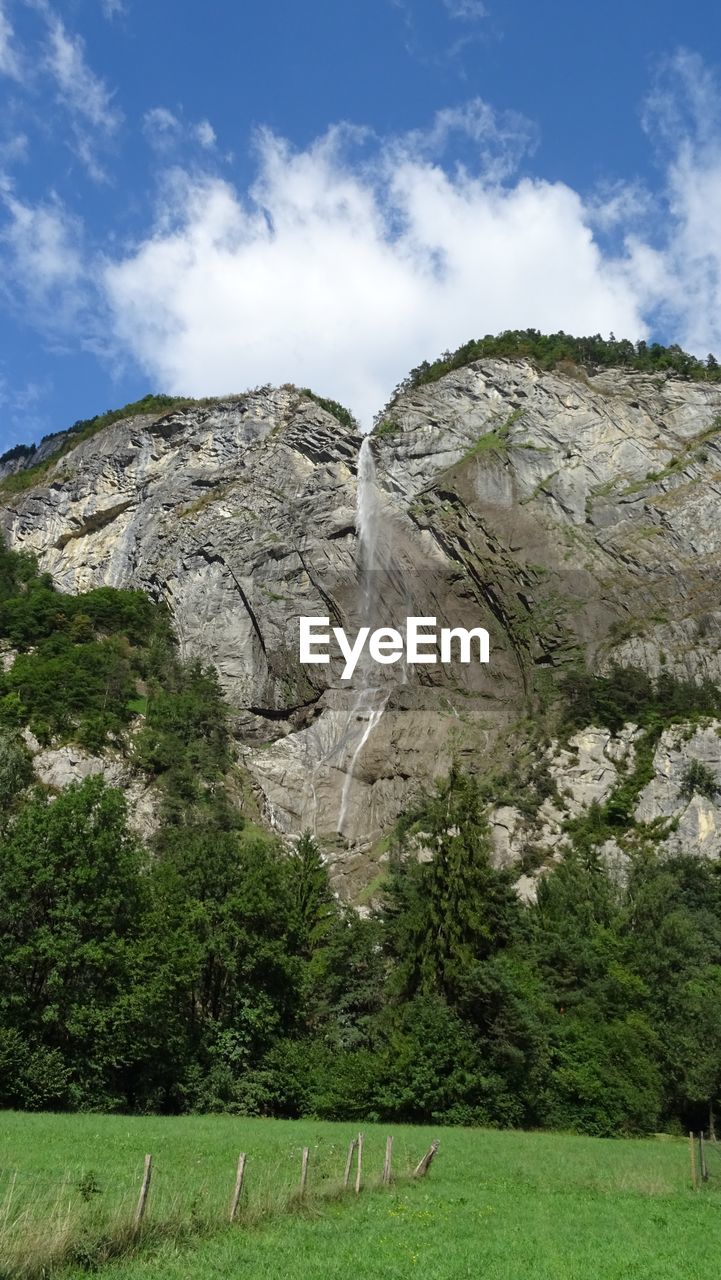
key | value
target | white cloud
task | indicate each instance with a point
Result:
(43, 268)
(341, 276)
(44, 240)
(205, 134)
(13, 148)
(344, 264)
(94, 118)
(680, 277)
(500, 138)
(161, 127)
(81, 90)
(621, 205)
(165, 130)
(112, 8)
(9, 58)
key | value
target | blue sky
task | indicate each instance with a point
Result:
(200, 198)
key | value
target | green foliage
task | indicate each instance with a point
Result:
(215, 969)
(605, 1079)
(699, 780)
(333, 407)
(447, 913)
(83, 429)
(15, 770)
(629, 694)
(549, 350)
(313, 896)
(385, 428)
(70, 908)
(81, 658)
(184, 742)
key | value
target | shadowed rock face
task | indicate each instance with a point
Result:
(572, 516)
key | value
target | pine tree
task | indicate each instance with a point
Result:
(313, 895)
(447, 914)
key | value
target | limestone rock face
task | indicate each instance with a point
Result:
(669, 814)
(575, 517)
(60, 767)
(224, 513)
(586, 505)
(696, 817)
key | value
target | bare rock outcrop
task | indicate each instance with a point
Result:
(574, 515)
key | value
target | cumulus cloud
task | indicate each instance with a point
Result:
(678, 278)
(342, 275)
(44, 268)
(344, 264)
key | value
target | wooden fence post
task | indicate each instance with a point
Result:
(387, 1161)
(145, 1188)
(692, 1153)
(238, 1186)
(359, 1166)
(349, 1162)
(424, 1165)
(702, 1157)
(304, 1170)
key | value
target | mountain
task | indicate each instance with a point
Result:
(573, 512)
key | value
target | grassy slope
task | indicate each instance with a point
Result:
(495, 1205)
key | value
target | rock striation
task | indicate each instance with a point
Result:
(574, 515)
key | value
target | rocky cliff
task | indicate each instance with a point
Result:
(574, 515)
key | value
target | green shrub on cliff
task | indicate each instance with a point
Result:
(549, 350)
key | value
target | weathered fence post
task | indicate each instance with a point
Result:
(424, 1165)
(702, 1156)
(238, 1186)
(304, 1170)
(349, 1162)
(145, 1188)
(359, 1166)
(387, 1161)
(692, 1153)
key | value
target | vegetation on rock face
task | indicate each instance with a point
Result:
(629, 694)
(551, 350)
(333, 407)
(80, 659)
(699, 780)
(81, 430)
(212, 969)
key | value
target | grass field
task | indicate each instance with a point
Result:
(495, 1204)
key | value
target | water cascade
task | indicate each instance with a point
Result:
(371, 698)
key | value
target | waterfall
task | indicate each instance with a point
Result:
(371, 698)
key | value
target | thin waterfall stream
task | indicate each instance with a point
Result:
(371, 698)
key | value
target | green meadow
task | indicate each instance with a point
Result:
(495, 1204)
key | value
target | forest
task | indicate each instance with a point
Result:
(211, 967)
